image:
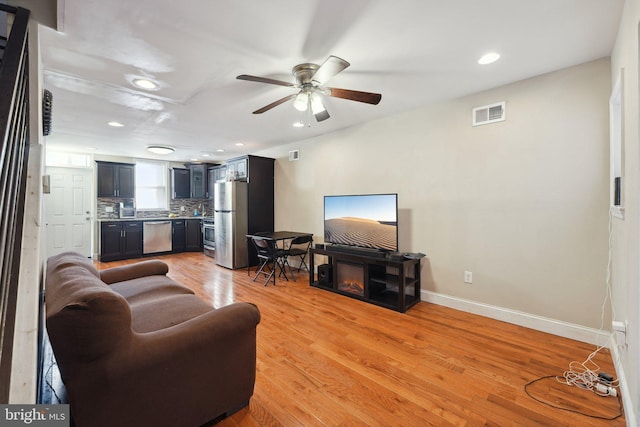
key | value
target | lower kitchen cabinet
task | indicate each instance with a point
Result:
(193, 231)
(123, 239)
(179, 236)
(120, 240)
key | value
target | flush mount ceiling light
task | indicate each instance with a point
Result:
(160, 149)
(115, 124)
(145, 84)
(489, 58)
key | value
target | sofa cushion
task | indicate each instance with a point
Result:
(157, 314)
(149, 288)
(150, 267)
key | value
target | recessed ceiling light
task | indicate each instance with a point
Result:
(239, 144)
(489, 58)
(115, 124)
(145, 84)
(220, 150)
(298, 125)
(160, 149)
(206, 155)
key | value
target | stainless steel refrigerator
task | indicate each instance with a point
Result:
(231, 218)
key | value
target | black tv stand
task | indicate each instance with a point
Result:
(382, 278)
(356, 250)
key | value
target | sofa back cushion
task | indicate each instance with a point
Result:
(85, 319)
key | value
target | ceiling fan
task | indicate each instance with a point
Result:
(310, 79)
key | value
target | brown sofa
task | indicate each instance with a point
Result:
(135, 348)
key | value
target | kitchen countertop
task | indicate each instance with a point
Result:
(164, 218)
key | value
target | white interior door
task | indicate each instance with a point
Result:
(67, 210)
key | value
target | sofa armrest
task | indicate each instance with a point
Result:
(133, 271)
(188, 373)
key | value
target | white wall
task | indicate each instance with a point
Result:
(522, 204)
(625, 269)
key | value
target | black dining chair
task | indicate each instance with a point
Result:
(271, 259)
(299, 247)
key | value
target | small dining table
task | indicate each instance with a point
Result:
(278, 236)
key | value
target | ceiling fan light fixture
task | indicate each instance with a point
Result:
(301, 101)
(160, 149)
(316, 103)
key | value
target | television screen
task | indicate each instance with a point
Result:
(365, 220)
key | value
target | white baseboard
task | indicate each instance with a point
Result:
(539, 323)
(629, 409)
(544, 324)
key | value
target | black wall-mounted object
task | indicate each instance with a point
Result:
(47, 105)
(616, 191)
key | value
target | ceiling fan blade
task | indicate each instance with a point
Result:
(329, 68)
(274, 104)
(264, 80)
(354, 95)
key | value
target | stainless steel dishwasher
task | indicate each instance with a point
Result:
(156, 237)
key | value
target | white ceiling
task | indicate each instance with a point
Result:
(413, 52)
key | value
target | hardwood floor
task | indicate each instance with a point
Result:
(325, 359)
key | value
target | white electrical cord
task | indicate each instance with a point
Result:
(585, 375)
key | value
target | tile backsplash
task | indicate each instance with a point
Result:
(204, 207)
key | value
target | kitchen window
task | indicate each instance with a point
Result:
(151, 185)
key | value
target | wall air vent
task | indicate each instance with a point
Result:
(488, 114)
(294, 155)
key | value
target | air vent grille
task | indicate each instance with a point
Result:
(294, 155)
(488, 114)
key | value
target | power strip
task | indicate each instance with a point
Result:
(605, 390)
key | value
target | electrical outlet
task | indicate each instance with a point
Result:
(181, 208)
(620, 330)
(468, 277)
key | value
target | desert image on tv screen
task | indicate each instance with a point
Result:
(368, 221)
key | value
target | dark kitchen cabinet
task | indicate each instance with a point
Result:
(181, 183)
(211, 181)
(120, 240)
(191, 183)
(116, 180)
(219, 173)
(193, 232)
(238, 169)
(179, 235)
(198, 181)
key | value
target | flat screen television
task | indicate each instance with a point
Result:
(363, 220)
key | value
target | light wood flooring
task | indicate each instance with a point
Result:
(327, 360)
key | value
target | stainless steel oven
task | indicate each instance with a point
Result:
(209, 236)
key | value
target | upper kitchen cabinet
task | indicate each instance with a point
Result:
(215, 174)
(237, 169)
(181, 183)
(198, 181)
(116, 180)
